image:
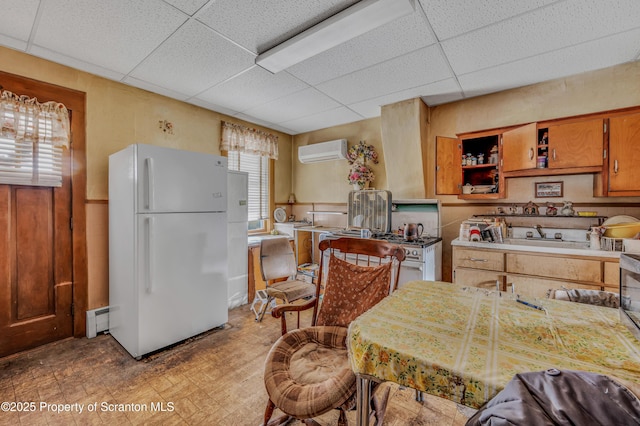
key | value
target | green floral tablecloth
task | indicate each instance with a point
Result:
(466, 343)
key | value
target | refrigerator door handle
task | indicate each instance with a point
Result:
(150, 255)
(150, 187)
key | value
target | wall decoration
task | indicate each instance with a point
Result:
(548, 189)
(360, 175)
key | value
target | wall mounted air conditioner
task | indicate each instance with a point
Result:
(323, 151)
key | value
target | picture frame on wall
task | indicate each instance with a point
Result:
(548, 189)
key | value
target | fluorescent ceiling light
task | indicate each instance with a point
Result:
(353, 21)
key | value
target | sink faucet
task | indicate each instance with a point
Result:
(539, 229)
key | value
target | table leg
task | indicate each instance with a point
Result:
(363, 398)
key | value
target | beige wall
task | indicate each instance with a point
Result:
(327, 182)
(611, 88)
(117, 116)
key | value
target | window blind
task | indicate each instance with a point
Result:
(28, 155)
(258, 169)
(30, 163)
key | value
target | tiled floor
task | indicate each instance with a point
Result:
(214, 379)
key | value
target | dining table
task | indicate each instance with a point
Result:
(465, 343)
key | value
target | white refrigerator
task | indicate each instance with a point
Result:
(167, 257)
(237, 237)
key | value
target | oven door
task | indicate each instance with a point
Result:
(411, 270)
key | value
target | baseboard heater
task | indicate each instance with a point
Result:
(97, 321)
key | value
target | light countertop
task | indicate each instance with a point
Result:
(552, 247)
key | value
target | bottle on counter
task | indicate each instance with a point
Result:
(594, 239)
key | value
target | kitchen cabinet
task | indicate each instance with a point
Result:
(484, 172)
(448, 166)
(533, 273)
(478, 268)
(624, 156)
(565, 147)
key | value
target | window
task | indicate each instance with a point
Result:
(258, 168)
(32, 136)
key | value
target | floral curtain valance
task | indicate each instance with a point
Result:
(236, 137)
(24, 119)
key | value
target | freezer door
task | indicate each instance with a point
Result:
(182, 277)
(238, 190)
(172, 180)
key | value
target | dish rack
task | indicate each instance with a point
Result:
(611, 244)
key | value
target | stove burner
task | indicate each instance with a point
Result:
(399, 239)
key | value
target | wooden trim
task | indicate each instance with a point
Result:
(75, 101)
(553, 172)
(97, 201)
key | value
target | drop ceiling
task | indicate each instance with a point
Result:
(203, 51)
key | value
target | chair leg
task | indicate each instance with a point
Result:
(268, 412)
(264, 308)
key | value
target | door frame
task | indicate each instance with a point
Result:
(74, 100)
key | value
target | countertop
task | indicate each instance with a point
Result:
(537, 247)
(254, 240)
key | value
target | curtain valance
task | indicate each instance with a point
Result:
(236, 137)
(24, 119)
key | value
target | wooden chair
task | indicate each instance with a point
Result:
(279, 270)
(307, 370)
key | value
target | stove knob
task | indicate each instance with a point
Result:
(407, 252)
(415, 252)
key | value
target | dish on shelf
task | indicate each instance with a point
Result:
(280, 215)
(614, 220)
(482, 189)
(622, 230)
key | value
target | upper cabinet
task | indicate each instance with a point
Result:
(519, 148)
(554, 148)
(606, 144)
(624, 156)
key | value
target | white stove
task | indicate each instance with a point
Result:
(423, 259)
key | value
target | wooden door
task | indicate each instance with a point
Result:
(579, 144)
(448, 165)
(36, 285)
(43, 264)
(519, 147)
(624, 154)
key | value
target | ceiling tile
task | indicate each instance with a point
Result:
(321, 120)
(75, 63)
(143, 84)
(267, 124)
(114, 34)
(411, 70)
(436, 93)
(192, 60)
(447, 20)
(252, 88)
(541, 31)
(17, 18)
(260, 25)
(593, 55)
(188, 6)
(296, 105)
(394, 39)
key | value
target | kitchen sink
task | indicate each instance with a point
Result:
(548, 242)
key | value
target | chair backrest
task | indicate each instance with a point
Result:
(277, 259)
(360, 273)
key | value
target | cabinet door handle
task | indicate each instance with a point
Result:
(554, 153)
(530, 153)
(473, 259)
(615, 166)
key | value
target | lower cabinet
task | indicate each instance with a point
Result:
(533, 274)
